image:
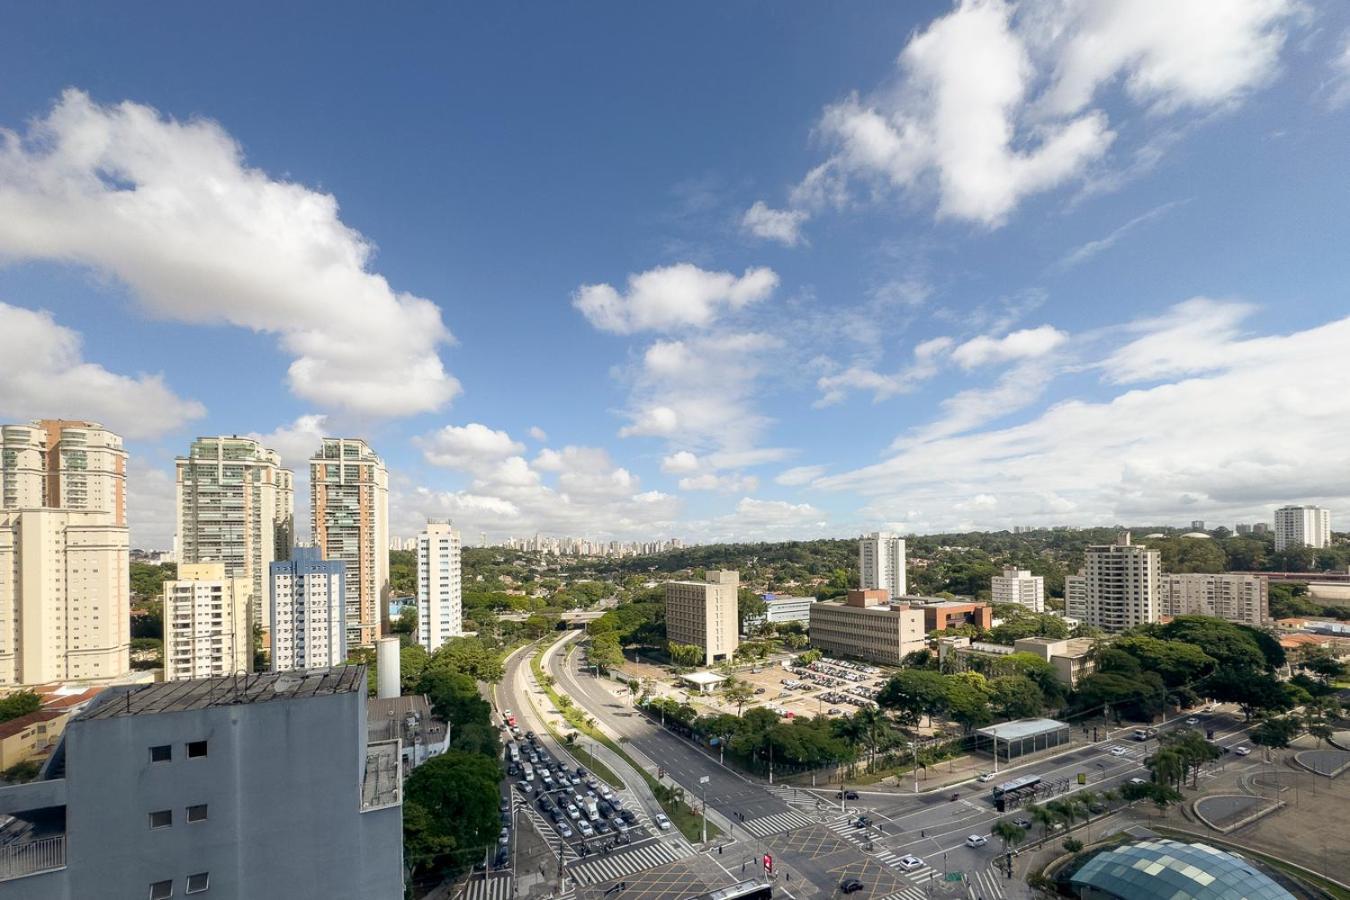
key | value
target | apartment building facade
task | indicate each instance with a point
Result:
(349, 515)
(866, 626)
(1018, 586)
(439, 585)
(1302, 526)
(207, 623)
(881, 563)
(63, 464)
(1120, 585)
(309, 611)
(1237, 597)
(704, 614)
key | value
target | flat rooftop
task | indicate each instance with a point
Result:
(382, 779)
(1023, 728)
(204, 693)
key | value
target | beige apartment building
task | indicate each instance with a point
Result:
(349, 514)
(439, 598)
(207, 629)
(63, 464)
(1118, 587)
(1018, 586)
(865, 625)
(1237, 597)
(235, 506)
(704, 614)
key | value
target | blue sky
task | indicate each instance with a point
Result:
(713, 271)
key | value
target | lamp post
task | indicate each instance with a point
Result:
(703, 782)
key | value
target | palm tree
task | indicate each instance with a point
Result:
(1011, 834)
(1169, 767)
(1066, 809)
(1042, 816)
(870, 720)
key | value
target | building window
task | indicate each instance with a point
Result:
(197, 813)
(196, 749)
(197, 884)
(161, 890)
(161, 753)
(161, 818)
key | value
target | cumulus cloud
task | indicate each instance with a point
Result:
(781, 225)
(297, 441)
(680, 463)
(732, 483)
(43, 374)
(1029, 343)
(927, 362)
(171, 209)
(994, 102)
(672, 297)
(467, 446)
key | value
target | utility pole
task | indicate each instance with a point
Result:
(703, 782)
(914, 747)
(842, 792)
(770, 762)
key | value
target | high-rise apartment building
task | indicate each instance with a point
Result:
(1120, 585)
(349, 512)
(439, 613)
(61, 464)
(235, 506)
(1237, 597)
(1302, 526)
(1019, 586)
(881, 562)
(704, 614)
(206, 623)
(309, 621)
(1075, 596)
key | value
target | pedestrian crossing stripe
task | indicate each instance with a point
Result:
(776, 823)
(909, 893)
(548, 831)
(489, 889)
(617, 865)
(988, 885)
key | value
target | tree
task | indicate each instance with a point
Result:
(539, 624)
(605, 652)
(412, 663)
(1324, 665)
(967, 700)
(470, 656)
(1073, 845)
(19, 704)
(454, 697)
(1177, 662)
(737, 691)
(406, 622)
(685, 655)
(1252, 690)
(1275, 732)
(749, 605)
(1010, 833)
(1015, 697)
(1042, 816)
(914, 693)
(450, 816)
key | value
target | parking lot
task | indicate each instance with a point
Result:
(826, 687)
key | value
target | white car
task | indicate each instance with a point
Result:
(564, 829)
(1192, 721)
(662, 822)
(573, 813)
(976, 840)
(1117, 751)
(986, 777)
(1138, 781)
(910, 863)
(585, 828)
(1242, 751)
(606, 793)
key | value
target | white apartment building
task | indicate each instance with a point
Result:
(704, 614)
(1302, 526)
(781, 609)
(1237, 597)
(349, 515)
(63, 464)
(439, 611)
(206, 623)
(1075, 596)
(309, 622)
(1019, 586)
(1120, 585)
(65, 596)
(881, 561)
(235, 506)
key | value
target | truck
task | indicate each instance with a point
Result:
(514, 749)
(592, 811)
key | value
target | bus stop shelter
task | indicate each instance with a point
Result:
(1009, 740)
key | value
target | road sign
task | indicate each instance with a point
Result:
(704, 780)
(952, 876)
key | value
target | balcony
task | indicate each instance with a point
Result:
(25, 858)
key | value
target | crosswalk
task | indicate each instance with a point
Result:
(859, 837)
(776, 823)
(495, 888)
(617, 865)
(909, 893)
(546, 829)
(988, 884)
(794, 796)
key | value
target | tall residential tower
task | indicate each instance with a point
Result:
(349, 513)
(439, 614)
(881, 562)
(308, 611)
(1302, 526)
(1120, 586)
(206, 623)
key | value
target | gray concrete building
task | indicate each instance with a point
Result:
(238, 787)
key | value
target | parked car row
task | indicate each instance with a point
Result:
(836, 697)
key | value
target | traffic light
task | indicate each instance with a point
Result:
(768, 863)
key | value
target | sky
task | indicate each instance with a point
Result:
(750, 271)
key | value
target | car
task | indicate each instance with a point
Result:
(503, 856)
(513, 770)
(585, 828)
(628, 816)
(606, 793)
(846, 795)
(1138, 781)
(976, 840)
(849, 885)
(1117, 751)
(602, 827)
(505, 836)
(836, 711)
(565, 830)
(619, 824)
(525, 787)
(1242, 751)
(861, 822)
(616, 801)
(605, 809)
(504, 806)
(1022, 822)
(910, 863)
(1192, 721)
(529, 736)
(759, 690)
(662, 821)
(573, 813)
(986, 777)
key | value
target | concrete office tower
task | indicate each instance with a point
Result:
(865, 625)
(704, 614)
(250, 787)
(60, 464)
(206, 623)
(881, 560)
(1236, 597)
(1019, 586)
(1302, 526)
(439, 612)
(309, 611)
(1121, 585)
(65, 596)
(349, 514)
(236, 506)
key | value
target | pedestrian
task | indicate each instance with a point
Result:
(923, 833)
(719, 850)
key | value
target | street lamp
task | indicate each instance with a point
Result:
(703, 782)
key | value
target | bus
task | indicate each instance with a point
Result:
(1012, 790)
(746, 890)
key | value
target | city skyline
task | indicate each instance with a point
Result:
(822, 317)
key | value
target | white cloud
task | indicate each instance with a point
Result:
(151, 496)
(170, 209)
(768, 519)
(1086, 251)
(1179, 450)
(298, 441)
(43, 374)
(781, 225)
(732, 483)
(927, 361)
(672, 297)
(538, 433)
(1029, 343)
(1195, 336)
(467, 447)
(680, 463)
(1339, 95)
(799, 475)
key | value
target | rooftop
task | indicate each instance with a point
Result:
(382, 780)
(702, 678)
(1022, 728)
(204, 693)
(388, 718)
(15, 726)
(1176, 871)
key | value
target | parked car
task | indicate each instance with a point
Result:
(565, 830)
(505, 836)
(759, 690)
(976, 840)
(585, 828)
(572, 812)
(849, 885)
(628, 816)
(525, 787)
(503, 857)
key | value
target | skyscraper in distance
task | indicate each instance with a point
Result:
(349, 515)
(881, 563)
(439, 613)
(1302, 526)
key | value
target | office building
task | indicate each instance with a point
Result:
(309, 611)
(253, 786)
(942, 615)
(1302, 526)
(206, 623)
(1072, 658)
(881, 562)
(1242, 528)
(1197, 524)
(866, 626)
(780, 610)
(349, 513)
(1236, 597)
(1018, 586)
(235, 506)
(1260, 528)
(439, 614)
(60, 464)
(704, 614)
(1120, 586)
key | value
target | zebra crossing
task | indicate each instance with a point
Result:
(909, 893)
(617, 865)
(776, 823)
(496, 888)
(860, 837)
(988, 884)
(794, 796)
(546, 830)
